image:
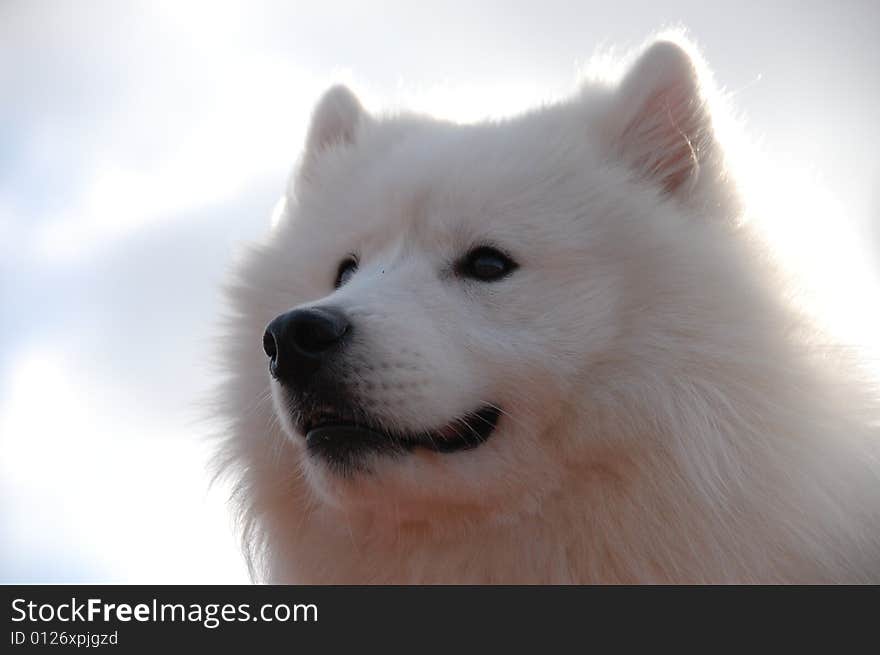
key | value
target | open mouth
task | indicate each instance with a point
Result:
(341, 435)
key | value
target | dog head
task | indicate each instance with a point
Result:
(441, 301)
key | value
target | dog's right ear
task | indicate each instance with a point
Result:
(335, 122)
(660, 124)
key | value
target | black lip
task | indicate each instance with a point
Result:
(342, 440)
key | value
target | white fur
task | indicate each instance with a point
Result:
(668, 417)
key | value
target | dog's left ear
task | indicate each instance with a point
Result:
(335, 119)
(335, 123)
(659, 122)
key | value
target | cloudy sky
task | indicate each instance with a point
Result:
(141, 142)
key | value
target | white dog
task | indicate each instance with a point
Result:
(540, 350)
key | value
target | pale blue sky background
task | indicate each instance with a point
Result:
(139, 142)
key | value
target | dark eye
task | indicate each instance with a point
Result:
(347, 268)
(486, 264)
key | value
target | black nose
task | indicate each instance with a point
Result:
(298, 341)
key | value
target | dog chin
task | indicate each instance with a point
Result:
(381, 486)
(336, 491)
(412, 487)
